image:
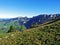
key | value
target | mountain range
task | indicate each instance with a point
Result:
(25, 21)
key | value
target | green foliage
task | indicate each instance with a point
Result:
(48, 34)
(22, 27)
(11, 29)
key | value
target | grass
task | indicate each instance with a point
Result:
(48, 34)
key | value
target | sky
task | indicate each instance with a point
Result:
(29, 8)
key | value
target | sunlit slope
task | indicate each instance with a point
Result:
(45, 34)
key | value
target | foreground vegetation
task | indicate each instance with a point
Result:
(48, 34)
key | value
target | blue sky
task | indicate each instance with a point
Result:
(15, 8)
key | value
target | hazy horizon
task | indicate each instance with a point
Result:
(29, 8)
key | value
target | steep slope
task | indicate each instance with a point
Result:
(48, 34)
(41, 19)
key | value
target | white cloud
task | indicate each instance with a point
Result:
(12, 15)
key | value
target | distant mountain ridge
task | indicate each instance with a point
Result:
(41, 19)
(25, 21)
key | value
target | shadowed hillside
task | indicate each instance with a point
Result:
(40, 19)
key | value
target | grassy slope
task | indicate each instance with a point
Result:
(48, 34)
